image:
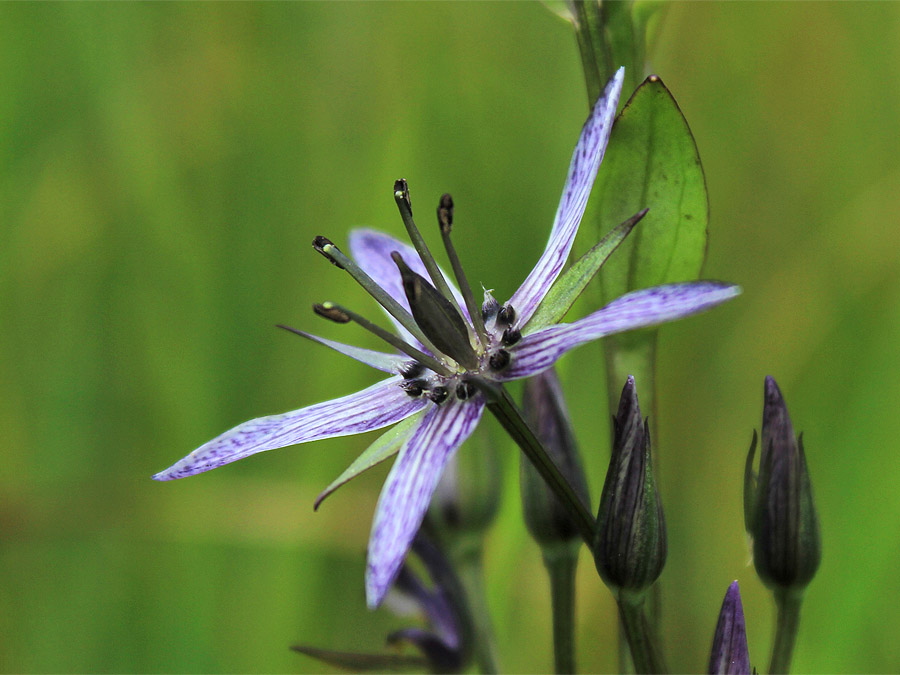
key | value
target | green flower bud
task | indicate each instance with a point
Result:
(630, 541)
(545, 411)
(779, 511)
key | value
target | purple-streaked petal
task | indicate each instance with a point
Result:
(372, 252)
(388, 363)
(639, 309)
(409, 486)
(378, 406)
(582, 172)
(729, 655)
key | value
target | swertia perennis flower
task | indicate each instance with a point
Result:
(453, 350)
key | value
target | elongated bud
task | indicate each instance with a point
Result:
(630, 542)
(545, 411)
(729, 655)
(779, 510)
(436, 316)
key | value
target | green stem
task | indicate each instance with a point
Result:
(788, 603)
(646, 656)
(468, 556)
(508, 414)
(561, 563)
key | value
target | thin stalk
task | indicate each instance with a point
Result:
(468, 557)
(465, 289)
(401, 196)
(561, 563)
(510, 417)
(644, 652)
(788, 603)
(394, 308)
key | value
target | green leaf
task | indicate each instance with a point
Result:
(652, 162)
(568, 287)
(388, 444)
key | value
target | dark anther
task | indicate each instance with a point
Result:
(465, 390)
(331, 313)
(506, 315)
(445, 213)
(414, 387)
(411, 370)
(499, 359)
(319, 243)
(401, 193)
(438, 395)
(511, 336)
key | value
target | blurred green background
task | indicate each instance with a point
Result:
(164, 168)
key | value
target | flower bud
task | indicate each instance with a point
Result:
(630, 540)
(545, 411)
(729, 655)
(778, 508)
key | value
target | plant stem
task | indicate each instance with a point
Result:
(508, 414)
(644, 652)
(468, 556)
(561, 562)
(788, 603)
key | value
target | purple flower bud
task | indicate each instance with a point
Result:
(729, 654)
(779, 510)
(630, 541)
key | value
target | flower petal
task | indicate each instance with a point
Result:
(372, 252)
(409, 486)
(582, 172)
(388, 363)
(639, 309)
(378, 406)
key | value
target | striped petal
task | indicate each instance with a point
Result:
(648, 307)
(372, 252)
(388, 363)
(407, 492)
(582, 172)
(378, 406)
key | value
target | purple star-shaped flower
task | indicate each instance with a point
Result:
(498, 348)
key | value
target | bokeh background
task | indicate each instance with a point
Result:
(164, 168)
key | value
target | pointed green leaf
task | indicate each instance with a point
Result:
(386, 445)
(652, 162)
(568, 287)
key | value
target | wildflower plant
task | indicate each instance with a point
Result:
(450, 356)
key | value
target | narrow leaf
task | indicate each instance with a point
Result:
(652, 162)
(386, 445)
(568, 287)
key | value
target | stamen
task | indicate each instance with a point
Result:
(511, 336)
(445, 220)
(499, 359)
(506, 315)
(394, 308)
(414, 387)
(401, 196)
(334, 312)
(465, 390)
(411, 370)
(437, 395)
